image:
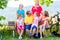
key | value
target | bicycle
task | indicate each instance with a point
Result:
(55, 27)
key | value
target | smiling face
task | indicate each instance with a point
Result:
(36, 3)
(20, 6)
(28, 13)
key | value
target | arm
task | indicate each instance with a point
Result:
(23, 22)
(37, 26)
(15, 24)
(26, 20)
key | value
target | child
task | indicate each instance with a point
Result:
(34, 27)
(28, 21)
(44, 22)
(20, 26)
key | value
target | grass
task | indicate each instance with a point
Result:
(8, 36)
(16, 38)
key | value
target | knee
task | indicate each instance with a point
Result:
(27, 31)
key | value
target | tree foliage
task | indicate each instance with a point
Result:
(45, 2)
(3, 4)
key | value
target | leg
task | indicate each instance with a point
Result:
(21, 32)
(45, 27)
(34, 31)
(20, 36)
(31, 30)
(18, 32)
(41, 31)
(27, 31)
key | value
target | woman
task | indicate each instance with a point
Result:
(21, 11)
(37, 8)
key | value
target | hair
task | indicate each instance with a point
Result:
(37, 1)
(36, 13)
(19, 16)
(20, 5)
(27, 12)
(46, 13)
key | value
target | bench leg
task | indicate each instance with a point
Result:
(13, 33)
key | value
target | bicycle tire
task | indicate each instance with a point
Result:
(54, 28)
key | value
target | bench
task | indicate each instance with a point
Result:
(11, 25)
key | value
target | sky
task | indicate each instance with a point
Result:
(12, 7)
(13, 3)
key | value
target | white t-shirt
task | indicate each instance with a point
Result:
(20, 22)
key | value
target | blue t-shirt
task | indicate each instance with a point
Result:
(21, 12)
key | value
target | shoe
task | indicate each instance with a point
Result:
(36, 35)
(30, 34)
(20, 37)
(41, 37)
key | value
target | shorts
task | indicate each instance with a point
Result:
(27, 27)
(39, 23)
(34, 27)
(20, 28)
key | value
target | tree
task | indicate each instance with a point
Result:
(2, 18)
(3, 4)
(45, 2)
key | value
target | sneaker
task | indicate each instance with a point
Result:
(41, 37)
(36, 35)
(20, 37)
(30, 34)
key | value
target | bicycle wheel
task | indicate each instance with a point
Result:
(54, 28)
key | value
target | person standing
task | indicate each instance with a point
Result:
(21, 11)
(37, 8)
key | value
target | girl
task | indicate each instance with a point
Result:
(20, 25)
(34, 27)
(44, 22)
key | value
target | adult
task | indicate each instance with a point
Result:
(21, 11)
(37, 8)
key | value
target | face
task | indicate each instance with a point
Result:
(36, 3)
(20, 6)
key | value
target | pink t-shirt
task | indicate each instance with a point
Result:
(36, 9)
(35, 21)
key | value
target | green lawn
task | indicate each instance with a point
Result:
(7, 35)
(16, 38)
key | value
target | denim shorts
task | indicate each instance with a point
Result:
(27, 27)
